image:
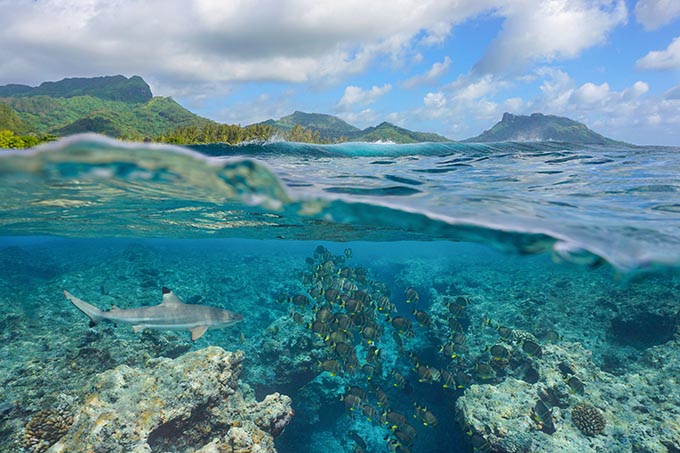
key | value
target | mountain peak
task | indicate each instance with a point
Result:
(540, 127)
(110, 88)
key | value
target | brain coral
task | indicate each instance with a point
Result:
(588, 419)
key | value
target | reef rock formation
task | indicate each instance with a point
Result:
(636, 411)
(192, 403)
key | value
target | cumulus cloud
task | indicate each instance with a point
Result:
(432, 75)
(549, 30)
(361, 119)
(662, 59)
(469, 106)
(435, 100)
(654, 14)
(356, 95)
(178, 42)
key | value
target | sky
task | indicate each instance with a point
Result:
(447, 66)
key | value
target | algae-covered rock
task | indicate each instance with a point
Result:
(192, 403)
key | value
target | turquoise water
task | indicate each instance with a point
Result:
(534, 264)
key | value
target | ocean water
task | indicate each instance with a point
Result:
(491, 290)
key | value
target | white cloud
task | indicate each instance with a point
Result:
(638, 89)
(182, 42)
(549, 30)
(662, 59)
(654, 14)
(361, 119)
(469, 106)
(432, 75)
(356, 95)
(589, 93)
(434, 100)
(263, 107)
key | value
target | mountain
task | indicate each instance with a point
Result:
(9, 120)
(333, 129)
(114, 105)
(540, 127)
(112, 88)
(330, 128)
(389, 132)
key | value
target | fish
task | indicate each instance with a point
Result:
(405, 434)
(380, 396)
(412, 296)
(576, 385)
(484, 372)
(542, 415)
(449, 382)
(532, 348)
(370, 412)
(332, 366)
(400, 323)
(425, 416)
(394, 419)
(499, 353)
(300, 299)
(369, 370)
(351, 401)
(170, 314)
(422, 317)
(357, 439)
(399, 380)
(424, 374)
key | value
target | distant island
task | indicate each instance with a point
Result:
(125, 108)
(539, 127)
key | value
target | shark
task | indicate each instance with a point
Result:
(171, 314)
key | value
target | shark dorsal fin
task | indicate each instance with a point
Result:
(169, 298)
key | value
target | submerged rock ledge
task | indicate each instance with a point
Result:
(192, 403)
(634, 412)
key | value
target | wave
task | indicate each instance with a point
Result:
(583, 205)
(371, 149)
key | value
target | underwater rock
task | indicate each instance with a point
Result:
(192, 403)
(636, 411)
(643, 329)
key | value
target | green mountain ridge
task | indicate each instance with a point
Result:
(540, 127)
(329, 127)
(112, 88)
(389, 132)
(114, 106)
(332, 129)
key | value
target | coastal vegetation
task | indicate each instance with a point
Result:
(9, 139)
(233, 134)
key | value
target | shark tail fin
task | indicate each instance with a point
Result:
(91, 311)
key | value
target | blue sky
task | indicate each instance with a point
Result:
(451, 67)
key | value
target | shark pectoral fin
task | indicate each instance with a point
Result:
(197, 332)
(137, 328)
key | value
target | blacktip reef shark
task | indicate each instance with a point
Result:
(170, 314)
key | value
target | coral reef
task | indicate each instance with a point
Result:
(588, 419)
(638, 410)
(46, 427)
(193, 402)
